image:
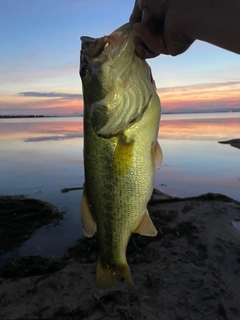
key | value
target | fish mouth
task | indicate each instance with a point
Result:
(117, 84)
(93, 47)
(106, 46)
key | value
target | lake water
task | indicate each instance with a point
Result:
(41, 156)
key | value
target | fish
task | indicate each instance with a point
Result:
(121, 123)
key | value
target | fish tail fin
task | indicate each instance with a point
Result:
(107, 278)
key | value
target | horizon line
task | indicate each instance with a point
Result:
(81, 115)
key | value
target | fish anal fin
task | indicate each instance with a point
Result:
(146, 226)
(158, 155)
(107, 277)
(88, 223)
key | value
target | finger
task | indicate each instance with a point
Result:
(154, 43)
(142, 51)
(146, 16)
(157, 8)
(150, 22)
(136, 15)
(151, 55)
(144, 4)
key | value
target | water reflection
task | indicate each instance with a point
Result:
(45, 153)
(58, 137)
(39, 157)
(210, 126)
(214, 128)
(33, 128)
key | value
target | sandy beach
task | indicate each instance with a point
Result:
(190, 270)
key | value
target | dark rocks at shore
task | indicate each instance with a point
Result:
(21, 216)
(234, 143)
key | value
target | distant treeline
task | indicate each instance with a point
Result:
(26, 116)
(80, 115)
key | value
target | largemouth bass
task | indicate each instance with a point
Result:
(121, 122)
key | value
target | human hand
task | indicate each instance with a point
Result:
(159, 27)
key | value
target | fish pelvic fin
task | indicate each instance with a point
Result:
(107, 277)
(88, 223)
(146, 226)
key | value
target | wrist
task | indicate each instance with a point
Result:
(212, 21)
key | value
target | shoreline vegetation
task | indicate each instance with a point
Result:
(190, 270)
(26, 116)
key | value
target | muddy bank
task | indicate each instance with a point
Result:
(191, 270)
(21, 216)
(234, 143)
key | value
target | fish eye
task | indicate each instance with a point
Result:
(84, 71)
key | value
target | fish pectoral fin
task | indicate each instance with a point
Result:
(88, 223)
(107, 277)
(123, 155)
(158, 155)
(146, 226)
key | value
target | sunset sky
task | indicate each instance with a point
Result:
(40, 44)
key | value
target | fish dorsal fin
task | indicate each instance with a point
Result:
(107, 277)
(88, 223)
(146, 226)
(158, 155)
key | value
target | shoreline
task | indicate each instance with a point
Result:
(190, 270)
(193, 111)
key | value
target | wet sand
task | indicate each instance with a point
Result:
(190, 270)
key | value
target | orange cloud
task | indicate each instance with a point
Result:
(201, 96)
(47, 104)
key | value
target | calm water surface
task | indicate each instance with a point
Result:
(41, 156)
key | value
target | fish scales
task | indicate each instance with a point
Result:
(120, 150)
